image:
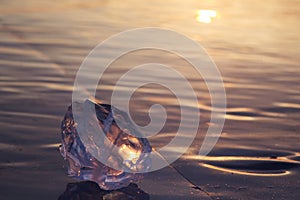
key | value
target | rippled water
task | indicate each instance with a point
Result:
(255, 45)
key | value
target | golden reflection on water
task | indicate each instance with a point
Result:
(244, 172)
(287, 105)
(252, 171)
(53, 145)
(205, 16)
(240, 118)
(241, 158)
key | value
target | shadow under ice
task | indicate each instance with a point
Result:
(88, 190)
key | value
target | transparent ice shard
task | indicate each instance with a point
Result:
(131, 154)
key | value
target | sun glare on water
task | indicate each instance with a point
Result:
(205, 16)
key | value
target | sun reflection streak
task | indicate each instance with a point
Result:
(244, 172)
(205, 16)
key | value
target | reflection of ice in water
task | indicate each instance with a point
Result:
(82, 165)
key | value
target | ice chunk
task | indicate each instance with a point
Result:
(131, 150)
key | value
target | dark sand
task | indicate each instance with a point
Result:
(255, 44)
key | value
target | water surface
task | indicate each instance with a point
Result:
(255, 45)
